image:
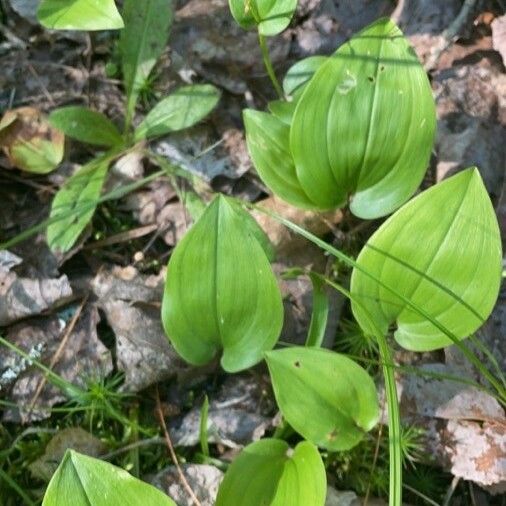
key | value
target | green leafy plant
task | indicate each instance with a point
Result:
(143, 40)
(352, 129)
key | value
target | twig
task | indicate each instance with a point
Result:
(58, 353)
(172, 453)
(450, 34)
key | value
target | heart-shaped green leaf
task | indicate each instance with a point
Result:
(79, 15)
(365, 125)
(182, 109)
(271, 16)
(142, 43)
(324, 396)
(270, 473)
(221, 293)
(75, 203)
(83, 481)
(85, 125)
(442, 252)
(267, 138)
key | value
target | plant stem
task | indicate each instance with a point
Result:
(394, 423)
(268, 65)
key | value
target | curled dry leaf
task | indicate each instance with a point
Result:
(30, 142)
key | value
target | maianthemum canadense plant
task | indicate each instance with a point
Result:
(352, 129)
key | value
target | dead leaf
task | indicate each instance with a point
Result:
(73, 438)
(30, 142)
(131, 303)
(21, 297)
(204, 480)
(84, 359)
(499, 36)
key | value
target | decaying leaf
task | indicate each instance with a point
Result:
(203, 479)
(234, 417)
(73, 438)
(22, 296)
(131, 305)
(30, 142)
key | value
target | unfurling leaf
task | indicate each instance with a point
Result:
(75, 203)
(221, 293)
(182, 109)
(30, 142)
(271, 16)
(85, 125)
(441, 252)
(270, 473)
(83, 481)
(79, 15)
(141, 44)
(346, 141)
(324, 396)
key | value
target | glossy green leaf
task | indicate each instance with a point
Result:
(267, 138)
(271, 16)
(270, 473)
(324, 396)
(442, 252)
(85, 125)
(83, 481)
(79, 15)
(221, 293)
(364, 126)
(142, 43)
(182, 109)
(75, 203)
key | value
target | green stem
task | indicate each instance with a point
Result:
(7, 479)
(268, 66)
(394, 423)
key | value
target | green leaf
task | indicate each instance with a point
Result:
(326, 397)
(79, 15)
(221, 293)
(267, 139)
(270, 473)
(442, 252)
(365, 125)
(83, 481)
(75, 204)
(283, 110)
(320, 312)
(182, 109)
(301, 73)
(85, 125)
(142, 43)
(271, 16)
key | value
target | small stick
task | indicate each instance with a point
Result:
(172, 453)
(58, 353)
